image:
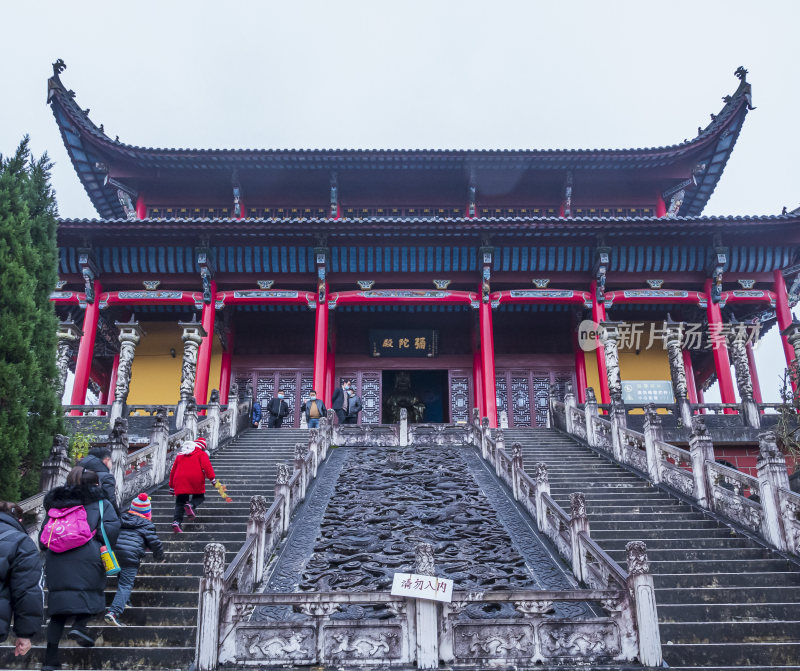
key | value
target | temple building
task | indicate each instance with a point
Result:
(449, 280)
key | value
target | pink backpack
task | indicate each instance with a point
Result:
(66, 529)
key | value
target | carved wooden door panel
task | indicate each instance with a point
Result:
(459, 396)
(541, 396)
(287, 382)
(520, 411)
(368, 387)
(501, 389)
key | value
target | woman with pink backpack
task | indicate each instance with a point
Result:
(71, 537)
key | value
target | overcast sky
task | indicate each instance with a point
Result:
(427, 74)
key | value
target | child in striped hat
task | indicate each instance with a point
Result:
(138, 535)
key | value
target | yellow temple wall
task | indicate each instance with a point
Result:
(156, 376)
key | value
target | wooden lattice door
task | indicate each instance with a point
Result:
(368, 385)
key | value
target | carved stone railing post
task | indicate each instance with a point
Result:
(517, 468)
(610, 340)
(772, 477)
(552, 397)
(504, 419)
(619, 421)
(569, 404)
(257, 526)
(57, 465)
(484, 436)
(542, 488)
(741, 366)
(282, 489)
(314, 448)
(578, 522)
(233, 407)
(189, 418)
(209, 607)
(193, 334)
(680, 388)
(427, 625)
(403, 427)
(499, 444)
(702, 450)
(159, 437)
(640, 584)
(130, 333)
(653, 433)
(118, 444)
(68, 337)
(590, 412)
(300, 465)
(213, 418)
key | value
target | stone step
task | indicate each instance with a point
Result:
(168, 636)
(151, 592)
(679, 544)
(718, 594)
(633, 523)
(658, 556)
(604, 536)
(743, 654)
(787, 579)
(730, 612)
(730, 632)
(106, 657)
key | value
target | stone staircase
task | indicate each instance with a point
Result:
(724, 600)
(161, 621)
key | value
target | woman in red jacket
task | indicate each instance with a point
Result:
(187, 480)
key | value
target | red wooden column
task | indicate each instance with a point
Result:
(204, 353)
(487, 363)
(599, 316)
(226, 368)
(784, 314)
(321, 325)
(751, 364)
(580, 370)
(691, 381)
(722, 363)
(330, 375)
(477, 381)
(661, 206)
(141, 207)
(83, 365)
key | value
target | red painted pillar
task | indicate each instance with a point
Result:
(321, 339)
(330, 378)
(204, 353)
(700, 397)
(112, 379)
(751, 364)
(83, 365)
(477, 382)
(783, 313)
(722, 363)
(661, 206)
(599, 316)
(580, 370)
(141, 207)
(487, 363)
(691, 382)
(226, 369)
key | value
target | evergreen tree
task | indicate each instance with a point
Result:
(28, 408)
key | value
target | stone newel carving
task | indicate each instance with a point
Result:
(424, 564)
(193, 334)
(283, 475)
(636, 556)
(610, 338)
(130, 333)
(68, 337)
(772, 478)
(577, 501)
(56, 468)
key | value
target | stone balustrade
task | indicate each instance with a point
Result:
(763, 505)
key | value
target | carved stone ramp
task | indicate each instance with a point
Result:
(372, 506)
(724, 600)
(160, 631)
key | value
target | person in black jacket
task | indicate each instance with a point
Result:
(21, 597)
(339, 401)
(99, 461)
(277, 410)
(76, 579)
(353, 405)
(138, 535)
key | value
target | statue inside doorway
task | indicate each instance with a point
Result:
(403, 397)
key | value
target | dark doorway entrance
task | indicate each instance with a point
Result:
(422, 392)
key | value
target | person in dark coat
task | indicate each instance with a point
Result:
(353, 407)
(314, 410)
(277, 409)
(339, 401)
(99, 461)
(138, 535)
(21, 597)
(256, 414)
(76, 579)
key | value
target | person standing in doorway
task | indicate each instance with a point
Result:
(314, 409)
(277, 409)
(353, 407)
(255, 418)
(339, 401)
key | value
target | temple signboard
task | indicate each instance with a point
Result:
(404, 342)
(647, 391)
(422, 587)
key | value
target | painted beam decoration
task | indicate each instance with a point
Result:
(409, 343)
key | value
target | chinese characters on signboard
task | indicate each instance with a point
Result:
(647, 391)
(422, 587)
(403, 342)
